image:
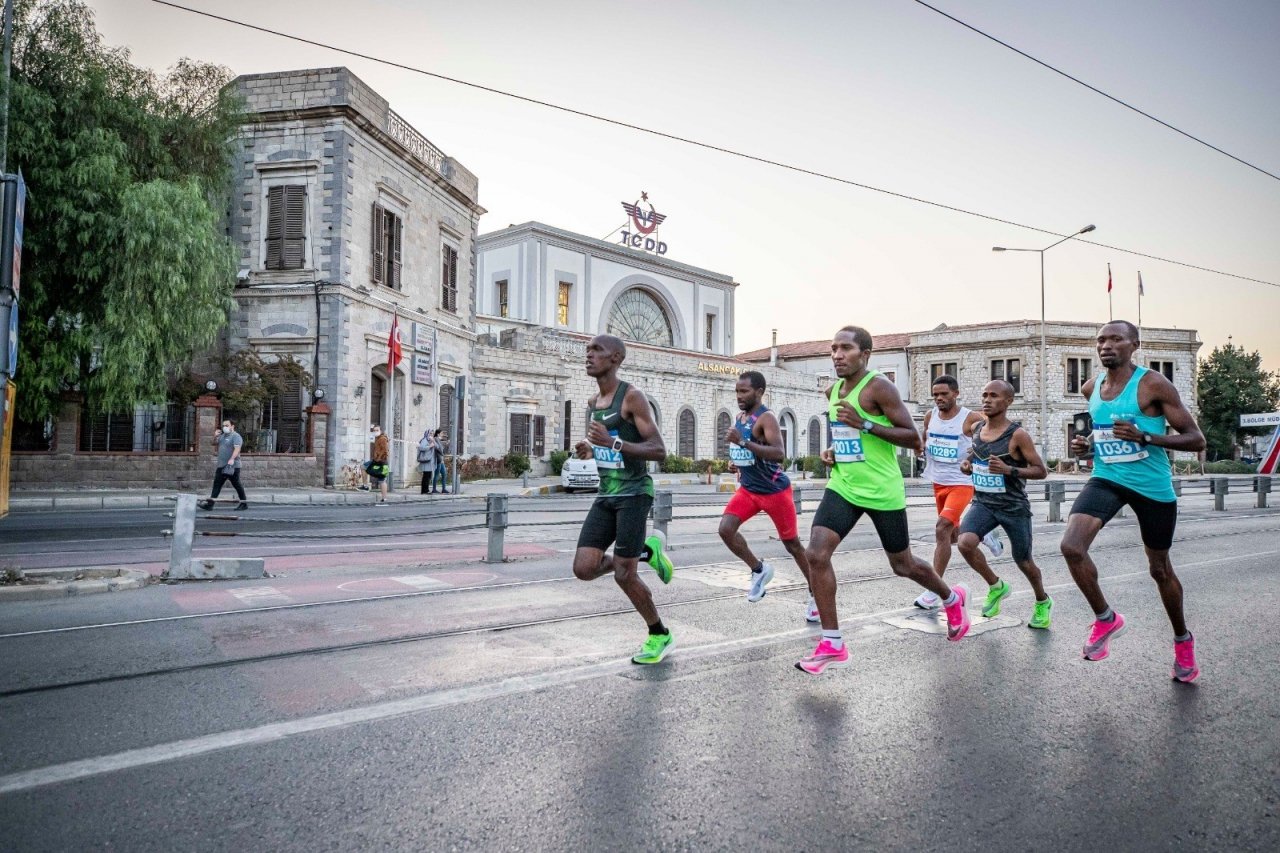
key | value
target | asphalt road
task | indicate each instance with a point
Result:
(465, 706)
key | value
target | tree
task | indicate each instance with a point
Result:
(1233, 383)
(127, 271)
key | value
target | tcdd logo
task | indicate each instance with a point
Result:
(645, 222)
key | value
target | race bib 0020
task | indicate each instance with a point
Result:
(846, 442)
(740, 456)
(1110, 449)
(944, 448)
(985, 481)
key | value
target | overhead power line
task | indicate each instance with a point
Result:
(1095, 89)
(688, 141)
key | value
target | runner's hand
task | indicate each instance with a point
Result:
(848, 415)
(598, 435)
(1126, 431)
(829, 456)
(996, 465)
(583, 449)
(733, 469)
(733, 436)
(966, 466)
(1080, 445)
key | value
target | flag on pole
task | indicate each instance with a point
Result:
(1108, 278)
(393, 344)
(1141, 292)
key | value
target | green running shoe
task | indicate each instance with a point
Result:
(1042, 615)
(660, 562)
(995, 595)
(655, 648)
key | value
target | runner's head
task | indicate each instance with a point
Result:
(604, 354)
(945, 391)
(997, 396)
(850, 351)
(750, 389)
(1116, 343)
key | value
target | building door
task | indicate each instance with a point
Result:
(377, 398)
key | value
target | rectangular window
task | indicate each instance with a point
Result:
(710, 333)
(1078, 372)
(388, 233)
(944, 368)
(282, 428)
(562, 303)
(891, 375)
(449, 278)
(106, 431)
(1165, 367)
(521, 434)
(286, 227)
(539, 436)
(504, 308)
(1010, 370)
(566, 425)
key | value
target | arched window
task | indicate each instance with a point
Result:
(723, 421)
(688, 444)
(787, 426)
(637, 316)
(815, 436)
(447, 402)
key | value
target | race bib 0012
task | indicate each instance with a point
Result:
(607, 457)
(1110, 449)
(846, 442)
(985, 481)
(944, 448)
(740, 456)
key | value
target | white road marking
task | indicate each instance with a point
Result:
(419, 581)
(251, 595)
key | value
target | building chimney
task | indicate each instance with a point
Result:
(773, 350)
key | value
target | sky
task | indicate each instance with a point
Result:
(880, 92)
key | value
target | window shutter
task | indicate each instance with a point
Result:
(539, 435)
(379, 246)
(295, 226)
(723, 422)
(397, 229)
(519, 434)
(275, 228)
(567, 425)
(449, 279)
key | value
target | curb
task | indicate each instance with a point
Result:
(108, 580)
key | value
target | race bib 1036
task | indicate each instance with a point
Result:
(1110, 449)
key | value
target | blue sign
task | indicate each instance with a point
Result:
(11, 363)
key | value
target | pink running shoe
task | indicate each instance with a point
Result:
(957, 616)
(1098, 646)
(1184, 661)
(825, 655)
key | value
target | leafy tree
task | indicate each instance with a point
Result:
(127, 271)
(1231, 383)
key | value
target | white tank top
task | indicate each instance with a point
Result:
(945, 447)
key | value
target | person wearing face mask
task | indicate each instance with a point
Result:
(229, 442)
(426, 461)
(378, 468)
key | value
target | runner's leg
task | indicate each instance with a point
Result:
(822, 576)
(1081, 531)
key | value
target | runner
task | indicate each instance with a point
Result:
(755, 449)
(622, 437)
(1001, 459)
(867, 420)
(948, 434)
(1131, 407)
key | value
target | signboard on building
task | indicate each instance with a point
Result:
(723, 369)
(643, 225)
(1260, 419)
(423, 372)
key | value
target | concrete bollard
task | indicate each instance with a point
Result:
(184, 529)
(1262, 485)
(496, 521)
(1055, 491)
(662, 511)
(1177, 486)
(798, 500)
(1219, 493)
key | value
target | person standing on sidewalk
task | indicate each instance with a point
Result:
(755, 450)
(1131, 408)
(379, 468)
(441, 440)
(426, 461)
(229, 443)
(622, 438)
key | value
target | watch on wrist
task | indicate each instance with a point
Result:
(867, 425)
(617, 444)
(1146, 439)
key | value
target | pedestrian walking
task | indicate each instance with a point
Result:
(442, 443)
(378, 468)
(229, 443)
(426, 461)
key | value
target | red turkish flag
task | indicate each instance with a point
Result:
(394, 355)
(1108, 278)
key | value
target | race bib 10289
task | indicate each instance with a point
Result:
(944, 448)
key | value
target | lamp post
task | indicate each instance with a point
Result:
(1044, 400)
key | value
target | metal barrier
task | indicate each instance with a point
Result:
(662, 511)
(496, 521)
(1055, 492)
(1220, 487)
(1262, 485)
(184, 529)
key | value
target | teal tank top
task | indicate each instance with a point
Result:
(1145, 470)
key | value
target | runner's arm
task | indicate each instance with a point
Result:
(650, 446)
(1188, 437)
(770, 449)
(972, 421)
(924, 428)
(903, 432)
(1035, 469)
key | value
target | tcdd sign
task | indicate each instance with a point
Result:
(643, 223)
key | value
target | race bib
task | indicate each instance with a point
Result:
(985, 481)
(944, 448)
(846, 442)
(740, 456)
(1110, 449)
(607, 457)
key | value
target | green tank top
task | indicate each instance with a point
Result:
(620, 475)
(866, 472)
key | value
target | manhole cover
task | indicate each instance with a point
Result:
(935, 622)
(733, 576)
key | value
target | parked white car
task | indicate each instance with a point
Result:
(579, 474)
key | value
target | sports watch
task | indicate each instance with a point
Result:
(617, 444)
(1146, 439)
(867, 425)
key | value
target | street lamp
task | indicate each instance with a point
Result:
(1044, 401)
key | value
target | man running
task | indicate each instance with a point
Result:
(948, 434)
(622, 437)
(867, 420)
(1131, 407)
(755, 449)
(1002, 458)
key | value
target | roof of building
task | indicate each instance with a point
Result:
(817, 349)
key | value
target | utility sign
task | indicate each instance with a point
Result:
(15, 204)
(1260, 419)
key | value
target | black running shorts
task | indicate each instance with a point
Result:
(1156, 519)
(982, 519)
(838, 515)
(618, 520)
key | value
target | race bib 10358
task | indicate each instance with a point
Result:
(985, 481)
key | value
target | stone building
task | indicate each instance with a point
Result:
(544, 292)
(888, 355)
(347, 216)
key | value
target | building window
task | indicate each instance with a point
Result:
(281, 427)
(1165, 367)
(562, 303)
(447, 402)
(449, 278)
(1078, 372)
(286, 227)
(891, 375)
(539, 436)
(521, 434)
(567, 425)
(688, 443)
(504, 309)
(943, 368)
(815, 436)
(638, 316)
(388, 231)
(1010, 370)
(723, 422)
(710, 332)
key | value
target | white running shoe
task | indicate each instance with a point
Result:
(759, 580)
(994, 543)
(811, 613)
(927, 601)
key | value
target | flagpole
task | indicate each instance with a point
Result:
(1139, 304)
